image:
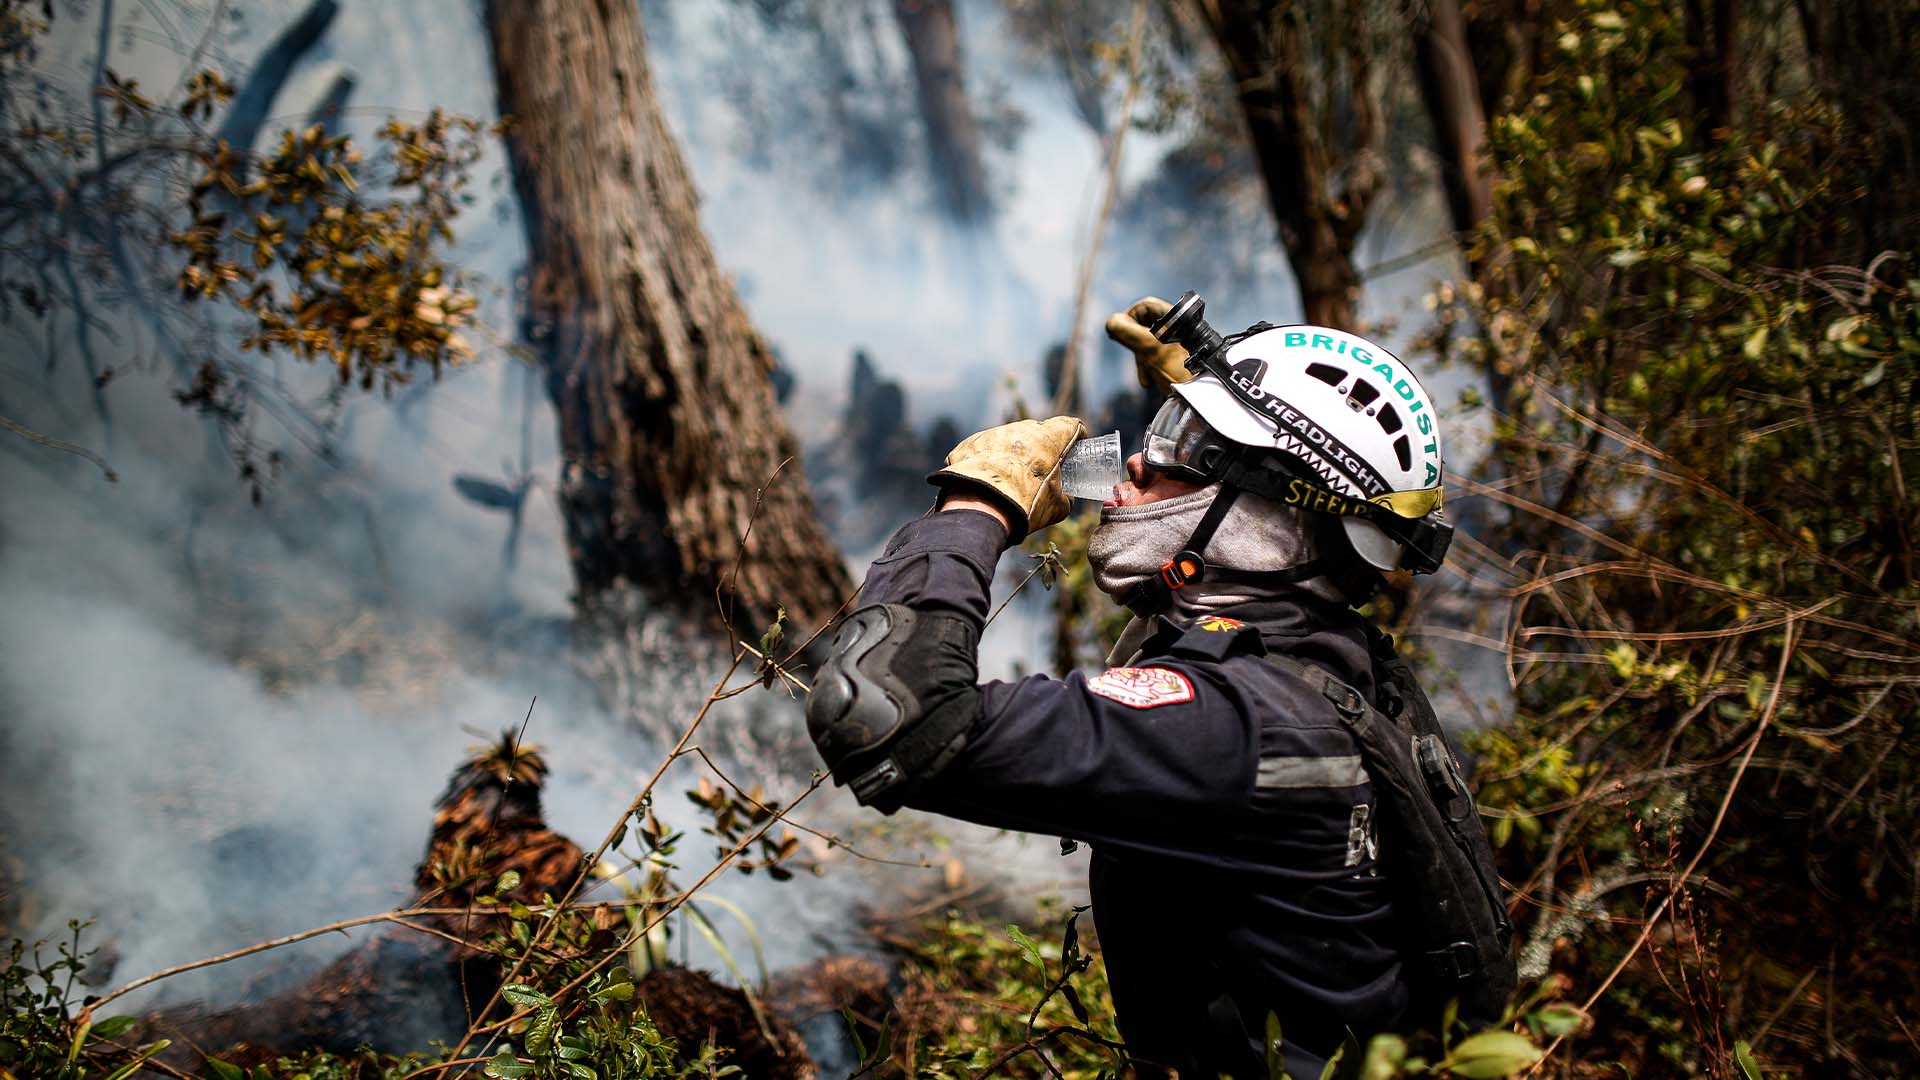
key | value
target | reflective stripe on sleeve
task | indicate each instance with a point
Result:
(1310, 772)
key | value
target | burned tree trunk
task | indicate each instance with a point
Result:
(1321, 164)
(1714, 37)
(953, 133)
(1450, 87)
(1860, 54)
(668, 424)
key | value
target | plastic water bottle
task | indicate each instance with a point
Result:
(1093, 466)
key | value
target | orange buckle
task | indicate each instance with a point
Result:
(1181, 569)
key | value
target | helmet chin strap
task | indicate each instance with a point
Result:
(1155, 595)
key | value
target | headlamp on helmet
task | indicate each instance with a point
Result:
(1310, 417)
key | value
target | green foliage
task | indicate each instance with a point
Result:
(610, 1037)
(39, 1034)
(599, 1031)
(325, 272)
(979, 1001)
(975, 996)
(114, 190)
(1522, 773)
(1709, 414)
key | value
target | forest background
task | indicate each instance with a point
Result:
(331, 427)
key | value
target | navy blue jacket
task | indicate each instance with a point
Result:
(1235, 865)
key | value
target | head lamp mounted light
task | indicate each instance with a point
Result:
(1180, 444)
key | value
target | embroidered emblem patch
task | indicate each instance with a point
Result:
(1142, 688)
(1219, 623)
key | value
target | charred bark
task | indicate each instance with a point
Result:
(1322, 166)
(1713, 36)
(668, 424)
(1861, 55)
(953, 132)
(1450, 89)
(1455, 100)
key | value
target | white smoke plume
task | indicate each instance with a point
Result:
(224, 723)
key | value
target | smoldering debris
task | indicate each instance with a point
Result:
(409, 986)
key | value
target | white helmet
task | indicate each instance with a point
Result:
(1311, 417)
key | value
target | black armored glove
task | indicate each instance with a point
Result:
(896, 701)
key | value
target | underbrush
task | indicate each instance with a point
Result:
(971, 1000)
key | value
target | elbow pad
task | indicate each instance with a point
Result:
(896, 700)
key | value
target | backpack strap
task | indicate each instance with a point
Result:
(1440, 766)
(1354, 710)
(1408, 757)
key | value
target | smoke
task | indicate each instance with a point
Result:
(226, 723)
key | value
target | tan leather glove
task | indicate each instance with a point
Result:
(1018, 464)
(1158, 364)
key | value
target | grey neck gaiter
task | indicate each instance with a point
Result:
(1132, 543)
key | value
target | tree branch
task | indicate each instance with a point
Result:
(64, 447)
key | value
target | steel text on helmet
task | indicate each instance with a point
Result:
(1310, 417)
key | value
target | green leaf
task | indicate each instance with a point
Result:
(113, 1027)
(1623, 659)
(1562, 1018)
(1491, 1054)
(1873, 376)
(1756, 344)
(1276, 1060)
(620, 991)
(220, 1070)
(131, 1066)
(1029, 947)
(505, 1066)
(509, 881)
(522, 996)
(540, 1034)
(1385, 1053)
(1743, 1056)
(853, 1033)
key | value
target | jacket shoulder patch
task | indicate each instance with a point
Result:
(1142, 687)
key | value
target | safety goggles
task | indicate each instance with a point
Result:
(1175, 440)
(1181, 445)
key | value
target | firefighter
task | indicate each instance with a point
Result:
(1236, 870)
